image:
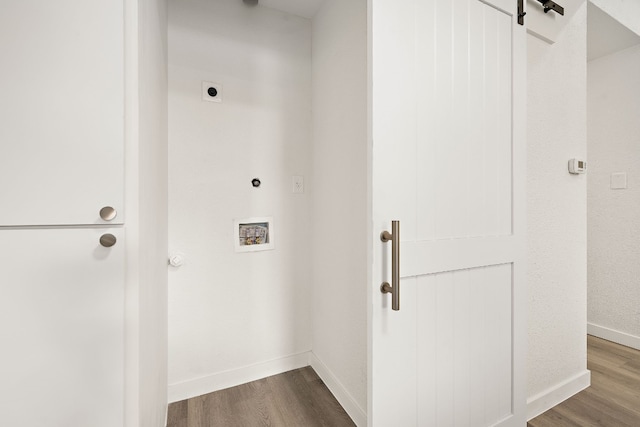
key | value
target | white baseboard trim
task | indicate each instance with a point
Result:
(618, 337)
(221, 380)
(357, 414)
(557, 394)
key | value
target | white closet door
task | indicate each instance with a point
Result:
(448, 129)
(62, 111)
(61, 328)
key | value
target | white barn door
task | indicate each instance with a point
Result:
(448, 162)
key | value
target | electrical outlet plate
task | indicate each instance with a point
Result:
(298, 184)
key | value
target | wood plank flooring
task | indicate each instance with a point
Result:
(296, 398)
(613, 400)
(299, 398)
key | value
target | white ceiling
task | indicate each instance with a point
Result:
(304, 8)
(605, 35)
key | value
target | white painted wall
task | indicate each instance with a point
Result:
(627, 12)
(234, 317)
(606, 35)
(557, 228)
(146, 200)
(614, 228)
(340, 207)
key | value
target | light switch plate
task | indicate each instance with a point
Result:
(619, 181)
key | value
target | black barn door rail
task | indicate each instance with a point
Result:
(551, 5)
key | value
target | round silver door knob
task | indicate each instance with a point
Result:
(108, 240)
(108, 213)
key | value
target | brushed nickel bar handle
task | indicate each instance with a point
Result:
(394, 287)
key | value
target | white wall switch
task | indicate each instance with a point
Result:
(298, 183)
(618, 181)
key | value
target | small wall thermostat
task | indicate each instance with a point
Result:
(577, 166)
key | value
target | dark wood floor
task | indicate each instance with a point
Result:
(296, 398)
(613, 400)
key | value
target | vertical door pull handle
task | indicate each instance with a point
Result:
(394, 287)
